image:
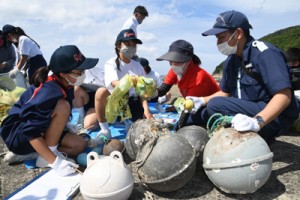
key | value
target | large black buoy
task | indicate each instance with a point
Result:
(197, 137)
(167, 164)
(139, 133)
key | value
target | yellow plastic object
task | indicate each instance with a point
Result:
(188, 104)
(178, 104)
(117, 102)
(183, 104)
(8, 99)
(145, 87)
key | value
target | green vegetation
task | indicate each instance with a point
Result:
(283, 39)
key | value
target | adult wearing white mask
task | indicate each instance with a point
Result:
(255, 86)
(192, 80)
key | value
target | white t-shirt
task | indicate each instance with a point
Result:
(28, 47)
(156, 77)
(112, 73)
(94, 76)
(131, 23)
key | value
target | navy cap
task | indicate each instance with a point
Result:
(144, 62)
(7, 28)
(67, 58)
(179, 51)
(229, 20)
(126, 35)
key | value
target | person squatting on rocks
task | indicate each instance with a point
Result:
(36, 123)
(255, 86)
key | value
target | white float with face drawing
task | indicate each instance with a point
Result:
(106, 177)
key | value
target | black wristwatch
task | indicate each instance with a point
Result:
(260, 121)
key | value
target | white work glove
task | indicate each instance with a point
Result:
(13, 73)
(63, 167)
(72, 128)
(242, 122)
(198, 103)
(162, 99)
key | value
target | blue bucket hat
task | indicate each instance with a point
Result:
(229, 20)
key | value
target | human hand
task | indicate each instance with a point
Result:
(198, 103)
(162, 99)
(3, 65)
(134, 80)
(242, 122)
(63, 167)
(148, 115)
(13, 73)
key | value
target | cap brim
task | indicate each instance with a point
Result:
(138, 41)
(174, 56)
(88, 64)
(214, 31)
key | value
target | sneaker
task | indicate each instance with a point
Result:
(11, 157)
(41, 162)
(100, 138)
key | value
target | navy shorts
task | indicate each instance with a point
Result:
(91, 102)
(136, 108)
(231, 106)
(22, 146)
(34, 64)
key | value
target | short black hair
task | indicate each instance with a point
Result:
(293, 54)
(141, 10)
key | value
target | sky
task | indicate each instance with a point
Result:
(93, 25)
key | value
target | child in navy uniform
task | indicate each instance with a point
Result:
(37, 121)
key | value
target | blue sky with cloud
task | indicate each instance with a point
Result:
(93, 25)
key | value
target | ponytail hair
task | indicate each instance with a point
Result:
(117, 61)
(39, 76)
(196, 60)
(20, 31)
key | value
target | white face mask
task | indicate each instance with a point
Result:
(79, 80)
(227, 50)
(128, 51)
(139, 21)
(179, 70)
